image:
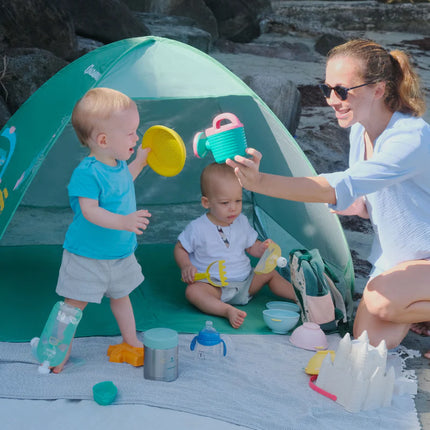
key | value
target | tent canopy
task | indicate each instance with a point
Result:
(182, 88)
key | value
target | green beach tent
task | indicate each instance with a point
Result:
(174, 85)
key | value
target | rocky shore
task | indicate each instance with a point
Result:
(277, 47)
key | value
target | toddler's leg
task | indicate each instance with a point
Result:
(207, 298)
(81, 306)
(123, 312)
(277, 284)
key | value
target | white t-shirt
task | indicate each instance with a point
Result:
(202, 240)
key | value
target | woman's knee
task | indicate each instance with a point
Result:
(378, 300)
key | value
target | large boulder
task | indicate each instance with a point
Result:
(4, 113)
(26, 70)
(239, 20)
(37, 24)
(340, 16)
(197, 10)
(180, 28)
(282, 97)
(104, 20)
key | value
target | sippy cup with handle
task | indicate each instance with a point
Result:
(225, 140)
(208, 344)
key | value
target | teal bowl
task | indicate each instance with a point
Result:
(280, 321)
(288, 306)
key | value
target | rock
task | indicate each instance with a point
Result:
(26, 70)
(282, 97)
(286, 50)
(200, 14)
(37, 24)
(238, 20)
(339, 16)
(311, 96)
(104, 20)
(4, 111)
(178, 28)
(327, 42)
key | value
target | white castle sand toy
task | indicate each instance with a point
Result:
(358, 378)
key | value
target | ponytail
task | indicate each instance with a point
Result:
(402, 91)
(407, 87)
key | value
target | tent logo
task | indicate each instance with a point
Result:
(91, 70)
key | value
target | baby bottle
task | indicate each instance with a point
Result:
(208, 344)
(52, 347)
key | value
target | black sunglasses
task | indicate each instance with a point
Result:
(342, 92)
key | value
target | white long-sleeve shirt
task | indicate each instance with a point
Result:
(396, 186)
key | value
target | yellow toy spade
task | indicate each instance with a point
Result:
(222, 274)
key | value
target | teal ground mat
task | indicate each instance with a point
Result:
(158, 302)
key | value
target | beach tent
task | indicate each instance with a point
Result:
(182, 88)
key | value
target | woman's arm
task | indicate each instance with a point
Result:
(306, 189)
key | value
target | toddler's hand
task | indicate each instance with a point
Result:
(142, 155)
(188, 273)
(266, 243)
(137, 221)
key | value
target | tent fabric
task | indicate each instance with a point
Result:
(182, 88)
(158, 302)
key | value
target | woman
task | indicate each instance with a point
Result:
(377, 94)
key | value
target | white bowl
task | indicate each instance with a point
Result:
(289, 306)
(280, 321)
(309, 336)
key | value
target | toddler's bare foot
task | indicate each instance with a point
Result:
(60, 367)
(235, 317)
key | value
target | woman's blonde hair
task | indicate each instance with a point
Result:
(96, 106)
(402, 91)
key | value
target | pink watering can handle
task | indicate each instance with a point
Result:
(216, 123)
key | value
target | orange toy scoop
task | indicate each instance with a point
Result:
(124, 353)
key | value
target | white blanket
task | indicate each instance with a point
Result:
(261, 384)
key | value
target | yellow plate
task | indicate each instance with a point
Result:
(167, 156)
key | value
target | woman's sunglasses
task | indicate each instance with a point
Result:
(342, 92)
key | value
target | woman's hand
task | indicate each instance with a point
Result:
(247, 169)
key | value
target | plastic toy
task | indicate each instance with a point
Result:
(221, 274)
(104, 393)
(54, 342)
(280, 321)
(125, 353)
(270, 259)
(309, 336)
(314, 364)
(167, 156)
(358, 377)
(225, 141)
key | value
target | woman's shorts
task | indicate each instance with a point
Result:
(88, 279)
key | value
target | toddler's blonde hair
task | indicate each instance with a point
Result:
(94, 108)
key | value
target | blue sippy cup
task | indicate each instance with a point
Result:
(208, 344)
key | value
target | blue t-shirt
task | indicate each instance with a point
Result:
(113, 187)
